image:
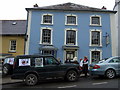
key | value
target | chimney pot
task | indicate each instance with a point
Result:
(35, 5)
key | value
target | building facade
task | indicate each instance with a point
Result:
(117, 25)
(70, 30)
(12, 37)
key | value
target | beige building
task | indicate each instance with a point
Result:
(12, 37)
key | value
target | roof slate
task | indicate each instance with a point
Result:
(69, 7)
(12, 27)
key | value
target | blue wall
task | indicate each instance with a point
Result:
(59, 26)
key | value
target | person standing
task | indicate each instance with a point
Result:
(85, 66)
(81, 64)
(74, 61)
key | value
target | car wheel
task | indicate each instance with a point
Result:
(6, 69)
(71, 75)
(31, 79)
(110, 73)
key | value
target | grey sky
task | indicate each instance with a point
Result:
(15, 9)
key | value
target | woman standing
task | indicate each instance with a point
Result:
(85, 66)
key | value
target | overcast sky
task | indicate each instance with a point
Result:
(15, 9)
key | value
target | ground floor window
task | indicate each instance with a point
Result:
(95, 56)
(47, 52)
(70, 55)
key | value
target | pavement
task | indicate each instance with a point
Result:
(7, 80)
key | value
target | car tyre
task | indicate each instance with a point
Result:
(71, 76)
(110, 74)
(31, 80)
(6, 69)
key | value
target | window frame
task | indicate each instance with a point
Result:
(43, 18)
(91, 50)
(95, 24)
(65, 39)
(41, 37)
(66, 19)
(95, 30)
(10, 45)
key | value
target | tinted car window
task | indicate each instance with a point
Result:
(115, 60)
(50, 61)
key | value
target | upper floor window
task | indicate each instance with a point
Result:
(71, 19)
(46, 36)
(12, 46)
(95, 38)
(71, 37)
(47, 19)
(95, 20)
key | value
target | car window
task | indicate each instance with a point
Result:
(114, 60)
(50, 61)
(9, 60)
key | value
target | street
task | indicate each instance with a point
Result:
(83, 82)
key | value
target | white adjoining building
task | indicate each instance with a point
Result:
(117, 20)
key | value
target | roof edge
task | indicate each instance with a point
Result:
(110, 11)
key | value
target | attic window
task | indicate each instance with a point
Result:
(14, 23)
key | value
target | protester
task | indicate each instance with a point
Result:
(81, 64)
(59, 59)
(85, 66)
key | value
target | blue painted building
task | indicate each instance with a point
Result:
(70, 30)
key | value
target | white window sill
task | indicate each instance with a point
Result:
(45, 43)
(47, 23)
(96, 25)
(71, 24)
(12, 51)
(95, 45)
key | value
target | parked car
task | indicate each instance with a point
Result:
(108, 68)
(7, 67)
(32, 68)
(102, 60)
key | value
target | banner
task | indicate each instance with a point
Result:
(10, 60)
(24, 62)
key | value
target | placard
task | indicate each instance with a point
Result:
(38, 62)
(24, 62)
(10, 60)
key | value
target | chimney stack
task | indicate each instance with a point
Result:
(104, 8)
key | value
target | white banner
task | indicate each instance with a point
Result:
(24, 62)
(10, 60)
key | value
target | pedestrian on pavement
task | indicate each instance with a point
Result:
(81, 64)
(85, 66)
(59, 59)
(75, 60)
